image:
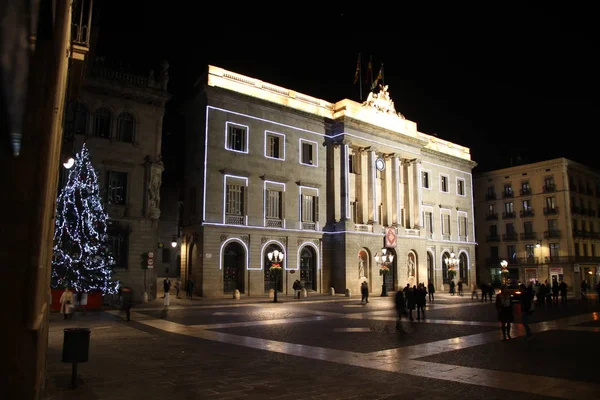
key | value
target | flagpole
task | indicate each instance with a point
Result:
(382, 75)
(360, 75)
(371, 62)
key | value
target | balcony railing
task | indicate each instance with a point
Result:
(550, 188)
(571, 259)
(552, 234)
(510, 236)
(528, 236)
(550, 210)
(363, 228)
(235, 219)
(490, 196)
(493, 261)
(508, 215)
(274, 223)
(507, 193)
(445, 236)
(526, 191)
(529, 260)
(311, 226)
(462, 238)
(578, 233)
(527, 213)
(493, 238)
(491, 216)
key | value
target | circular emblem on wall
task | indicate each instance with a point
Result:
(380, 164)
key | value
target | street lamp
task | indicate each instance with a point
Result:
(384, 261)
(504, 271)
(174, 241)
(69, 163)
(275, 258)
(452, 263)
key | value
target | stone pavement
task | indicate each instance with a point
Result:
(328, 348)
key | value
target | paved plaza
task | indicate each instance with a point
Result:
(329, 348)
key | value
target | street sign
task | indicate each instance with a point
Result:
(150, 259)
(150, 254)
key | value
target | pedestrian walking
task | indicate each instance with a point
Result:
(66, 303)
(127, 302)
(474, 291)
(563, 292)
(505, 311)
(166, 286)
(421, 297)
(400, 310)
(460, 287)
(431, 290)
(527, 308)
(364, 291)
(411, 303)
(452, 285)
(177, 287)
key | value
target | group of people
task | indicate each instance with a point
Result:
(411, 298)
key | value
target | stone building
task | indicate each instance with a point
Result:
(541, 218)
(328, 184)
(119, 117)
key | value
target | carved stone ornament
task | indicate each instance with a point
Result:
(264, 240)
(382, 102)
(223, 237)
(283, 240)
(317, 242)
(245, 239)
(300, 241)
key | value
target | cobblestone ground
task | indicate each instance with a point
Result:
(330, 349)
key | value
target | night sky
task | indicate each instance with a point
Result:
(515, 85)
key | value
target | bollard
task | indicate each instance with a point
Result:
(236, 294)
(76, 345)
(304, 293)
(348, 293)
(271, 293)
(331, 291)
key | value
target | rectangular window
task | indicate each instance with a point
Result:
(460, 187)
(308, 152)
(274, 145)
(509, 208)
(529, 251)
(494, 253)
(511, 252)
(462, 227)
(446, 225)
(491, 192)
(510, 229)
(550, 203)
(308, 208)
(492, 209)
(426, 179)
(493, 230)
(428, 221)
(354, 211)
(236, 139)
(554, 251)
(508, 189)
(235, 200)
(444, 183)
(118, 240)
(526, 205)
(274, 204)
(528, 227)
(117, 188)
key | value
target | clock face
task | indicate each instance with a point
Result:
(380, 164)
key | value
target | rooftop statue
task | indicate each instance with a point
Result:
(382, 102)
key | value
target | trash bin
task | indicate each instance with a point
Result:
(76, 345)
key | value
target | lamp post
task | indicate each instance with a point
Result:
(452, 263)
(504, 270)
(275, 258)
(174, 241)
(384, 261)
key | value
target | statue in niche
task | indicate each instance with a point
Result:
(154, 191)
(361, 268)
(411, 265)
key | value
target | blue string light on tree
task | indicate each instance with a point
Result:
(81, 258)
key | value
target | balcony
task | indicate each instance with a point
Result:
(550, 210)
(508, 215)
(527, 213)
(526, 191)
(529, 260)
(578, 233)
(549, 188)
(232, 219)
(508, 194)
(528, 236)
(510, 236)
(274, 223)
(490, 196)
(555, 234)
(310, 226)
(491, 216)
(363, 227)
(557, 260)
(493, 238)
(594, 235)
(584, 258)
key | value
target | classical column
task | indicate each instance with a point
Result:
(387, 193)
(344, 198)
(337, 179)
(372, 186)
(362, 188)
(417, 188)
(396, 200)
(407, 179)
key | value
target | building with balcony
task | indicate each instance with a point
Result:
(119, 116)
(328, 184)
(543, 219)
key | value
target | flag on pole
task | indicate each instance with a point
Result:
(369, 72)
(357, 73)
(379, 77)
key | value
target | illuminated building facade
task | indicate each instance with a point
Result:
(327, 184)
(543, 219)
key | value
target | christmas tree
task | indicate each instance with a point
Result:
(81, 259)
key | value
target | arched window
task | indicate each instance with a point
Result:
(102, 122)
(463, 268)
(126, 128)
(77, 119)
(445, 276)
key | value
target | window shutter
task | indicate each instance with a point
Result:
(244, 200)
(316, 208)
(227, 200)
(281, 214)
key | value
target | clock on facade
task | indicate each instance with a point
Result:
(380, 164)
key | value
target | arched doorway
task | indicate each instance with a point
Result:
(190, 258)
(308, 268)
(429, 268)
(463, 268)
(269, 282)
(233, 267)
(391, 279)
(445, 277)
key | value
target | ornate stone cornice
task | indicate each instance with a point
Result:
(275, 178)
(309, 184)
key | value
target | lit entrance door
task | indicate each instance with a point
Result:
(233, 267)
(308, 268)
(429, 268)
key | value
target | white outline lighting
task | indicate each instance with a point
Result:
(346, 185)
(311, 244)
(246, 139)
(238, 240)
(262, 252)
(267, 134)
(317, 225)
(265, 201)
(315, 159)
(245, 179)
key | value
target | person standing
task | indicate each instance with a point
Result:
(431, 290)
(127, 303)
(177, 287)
(66, 303)
(563, 292)
(474, 291)
(526, 308)
(364, 291)
(166, 286)
(505, 311)
(421, 300)
(400, 309)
